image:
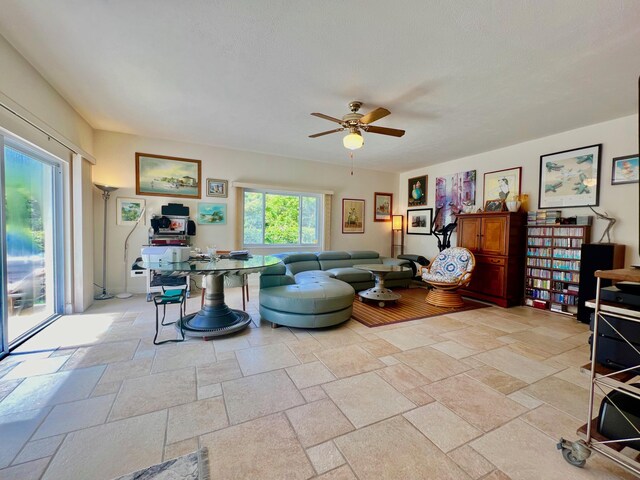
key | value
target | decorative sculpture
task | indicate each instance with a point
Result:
(611, 220)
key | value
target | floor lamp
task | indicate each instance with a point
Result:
(126, 294)
(397, 226)
(106, 193)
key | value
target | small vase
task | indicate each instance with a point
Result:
(514, 205)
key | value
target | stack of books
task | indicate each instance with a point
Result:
(543, 217)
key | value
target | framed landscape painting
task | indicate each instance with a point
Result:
(417, 191)
(502, 184)
(624, 170)
(217, 188)
(570, 178)
(128, 210)
(168, 176)
(382, 207)
(212, 213)
(352, 215)
(419, 221)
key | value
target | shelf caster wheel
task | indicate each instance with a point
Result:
(381, 304)
(148, 297)
(575, 453)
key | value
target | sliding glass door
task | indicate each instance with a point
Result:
(31, 248)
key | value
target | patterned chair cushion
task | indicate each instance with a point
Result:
(432, 277)
(452, 262)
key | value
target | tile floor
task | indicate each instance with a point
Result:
(483, 394)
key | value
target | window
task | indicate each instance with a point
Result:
(272, 218)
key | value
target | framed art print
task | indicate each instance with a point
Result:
(128, 210)
(570, 178)
(352, 215)
(212, 213)
(167, 176)
(624, 170)
(454, 190)
(417, 191)
(217, 188)
(503, 184)
(382, 207)
(494, 206)
(419, 221)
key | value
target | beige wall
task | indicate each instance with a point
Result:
(618, 137)
(116, 166)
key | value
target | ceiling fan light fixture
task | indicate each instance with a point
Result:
(353, 141)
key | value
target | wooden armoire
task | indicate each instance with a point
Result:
(497, 240)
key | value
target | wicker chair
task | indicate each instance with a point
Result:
(448, 272)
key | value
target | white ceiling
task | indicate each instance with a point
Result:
(460, 77)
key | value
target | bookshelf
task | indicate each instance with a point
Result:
(552, 270)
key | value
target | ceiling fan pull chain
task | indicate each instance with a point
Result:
(351, 156)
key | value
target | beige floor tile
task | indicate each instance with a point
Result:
(36, 449)
(51, 389)
(76, 416)
(262, 448)
(178, 449)
(478, 404)
(497, 475)
(183, 356)
(525, 399)
(576, 357)
(40, 366)
(102, 389)
(366, 398)
(403, 378)
(443, 427)
(337, 337)
(419, 396)
(395, 449)
(219, 372)
(562, 330)
(17, 428)
(266, 358)
(563, 395)
(444, 323)
(318, 422)
(208, 391)
(310, 374)
(553, 422)
(454, 349)
(529, 351)
(26, 471)
(102, 354)
(408, 337)
(389, 360)
(8, 386)
(474, 338)
(116, 372)
(507, 325)
(496, 379)
(474, 464)
(110, 450)
(342, 473)
(259, 395)
(551, 345)
(380, 348)
(431, 363)
(196, 418)
(154, 392)
(348, 360)
(516, 365)
(325, 457)
(524, 453)
(231, 343)
(575, 376)
(313, 394)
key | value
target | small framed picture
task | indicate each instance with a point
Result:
(212, 213)
(217, 188)
(128, 210)
(494, 206)
(419, 221)
(624, 170)
(417, 191)
(383, 207)
(352, 215)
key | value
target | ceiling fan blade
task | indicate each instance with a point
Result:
(327, 117)
(394, 132)
(315, 135)
(374, 115)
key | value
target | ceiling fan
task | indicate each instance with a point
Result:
(356, 123)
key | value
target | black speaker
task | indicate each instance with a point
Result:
(191, 227)
(596, 256)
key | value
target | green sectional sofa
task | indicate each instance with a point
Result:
(313, 290)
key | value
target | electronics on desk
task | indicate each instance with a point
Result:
(627, 293)
(165, 254)
(612, 351)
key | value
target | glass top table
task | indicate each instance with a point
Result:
(379, 292)
(215, 318)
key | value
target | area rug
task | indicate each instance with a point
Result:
(410, 307)
(193, 466)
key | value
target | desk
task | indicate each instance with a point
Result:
(379, 292)
(215, 318)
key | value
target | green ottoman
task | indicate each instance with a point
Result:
(318, 302)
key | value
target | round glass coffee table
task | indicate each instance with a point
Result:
(215, 318)
(379, 292)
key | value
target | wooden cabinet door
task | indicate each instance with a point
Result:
(488, 278)
(469, 233)
(494, 235)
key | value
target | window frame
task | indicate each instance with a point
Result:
(300, 194)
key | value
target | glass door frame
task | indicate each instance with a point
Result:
(57, 223)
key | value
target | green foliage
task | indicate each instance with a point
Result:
(281, 216)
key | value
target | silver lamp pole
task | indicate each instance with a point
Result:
(106, 193)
